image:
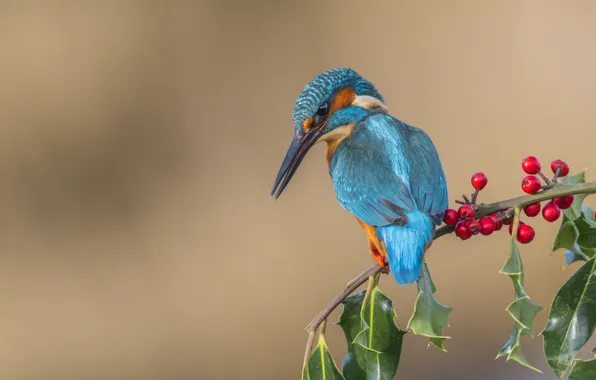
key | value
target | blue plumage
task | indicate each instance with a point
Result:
(385, 172)
(386, 159)
(323, 86)
(405, 245)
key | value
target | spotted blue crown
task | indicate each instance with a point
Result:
(323, 86)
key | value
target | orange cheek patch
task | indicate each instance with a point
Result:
(306, 124)
(343, 98)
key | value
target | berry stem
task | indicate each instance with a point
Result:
(557, 172)
(515, 224)
(545, 179)
(475, 196)
(466, 199)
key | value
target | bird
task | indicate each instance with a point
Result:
(387, 173)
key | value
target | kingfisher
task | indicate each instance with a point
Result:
(387, 173)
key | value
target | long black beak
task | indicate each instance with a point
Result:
(296, 152)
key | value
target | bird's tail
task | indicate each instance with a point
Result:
(405, 245)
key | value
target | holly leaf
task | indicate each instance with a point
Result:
(572, 256)
(575, 211)
(430, 317)
(523, 309)
(352, 324)
(512, 349)
(583, 370)
(577, 237)
(586, 234)
(567, 235)
(572, 318)
(320, 365)
(374, 340)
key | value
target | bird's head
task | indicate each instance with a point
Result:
(333, 102)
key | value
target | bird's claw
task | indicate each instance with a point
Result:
(385, 266)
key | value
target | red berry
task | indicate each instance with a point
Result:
(508, 222)
(533, 209)
(564, 202)
(531, 165)
(525, 234)
(479, 181)
(498, 223)
(474, 227)
(563, 165)
(465, 212)
(450, 217)
(530, 184)
(487, 226)
(511, 227)
(461, 230)
(551, 212)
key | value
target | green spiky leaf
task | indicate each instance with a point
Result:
(512, 348)
(567, 235)
(430, 317)
(575, 211)
(572, 318)
(577, 233)
(320, 365)
(352, 324)
(586, 238)
(577, 236)
(374, 340)
(583, 370)
(523, 309)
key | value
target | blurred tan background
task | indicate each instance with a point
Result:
(139, 142)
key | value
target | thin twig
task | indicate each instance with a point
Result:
(475, 196)
(322, 316)
(360, 276)
(309, 343)
(356, 281)
(322, 329)
(443, 231)
(545, 179)
(369, 288)
(361, 279)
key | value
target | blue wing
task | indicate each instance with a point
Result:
(387, 168)
(427, 179)
(389, 175)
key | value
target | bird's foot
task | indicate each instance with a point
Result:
(382, 261)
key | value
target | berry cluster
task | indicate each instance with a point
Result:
(531, 184)
(466, 225)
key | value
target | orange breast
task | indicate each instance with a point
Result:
(373, 239)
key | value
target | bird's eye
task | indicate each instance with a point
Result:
(323, 110)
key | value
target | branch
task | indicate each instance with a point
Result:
(352, 285)
(558, 190)
(482, 210)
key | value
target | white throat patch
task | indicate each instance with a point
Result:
(368, 102)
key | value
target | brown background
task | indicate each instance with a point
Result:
(139, 141)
